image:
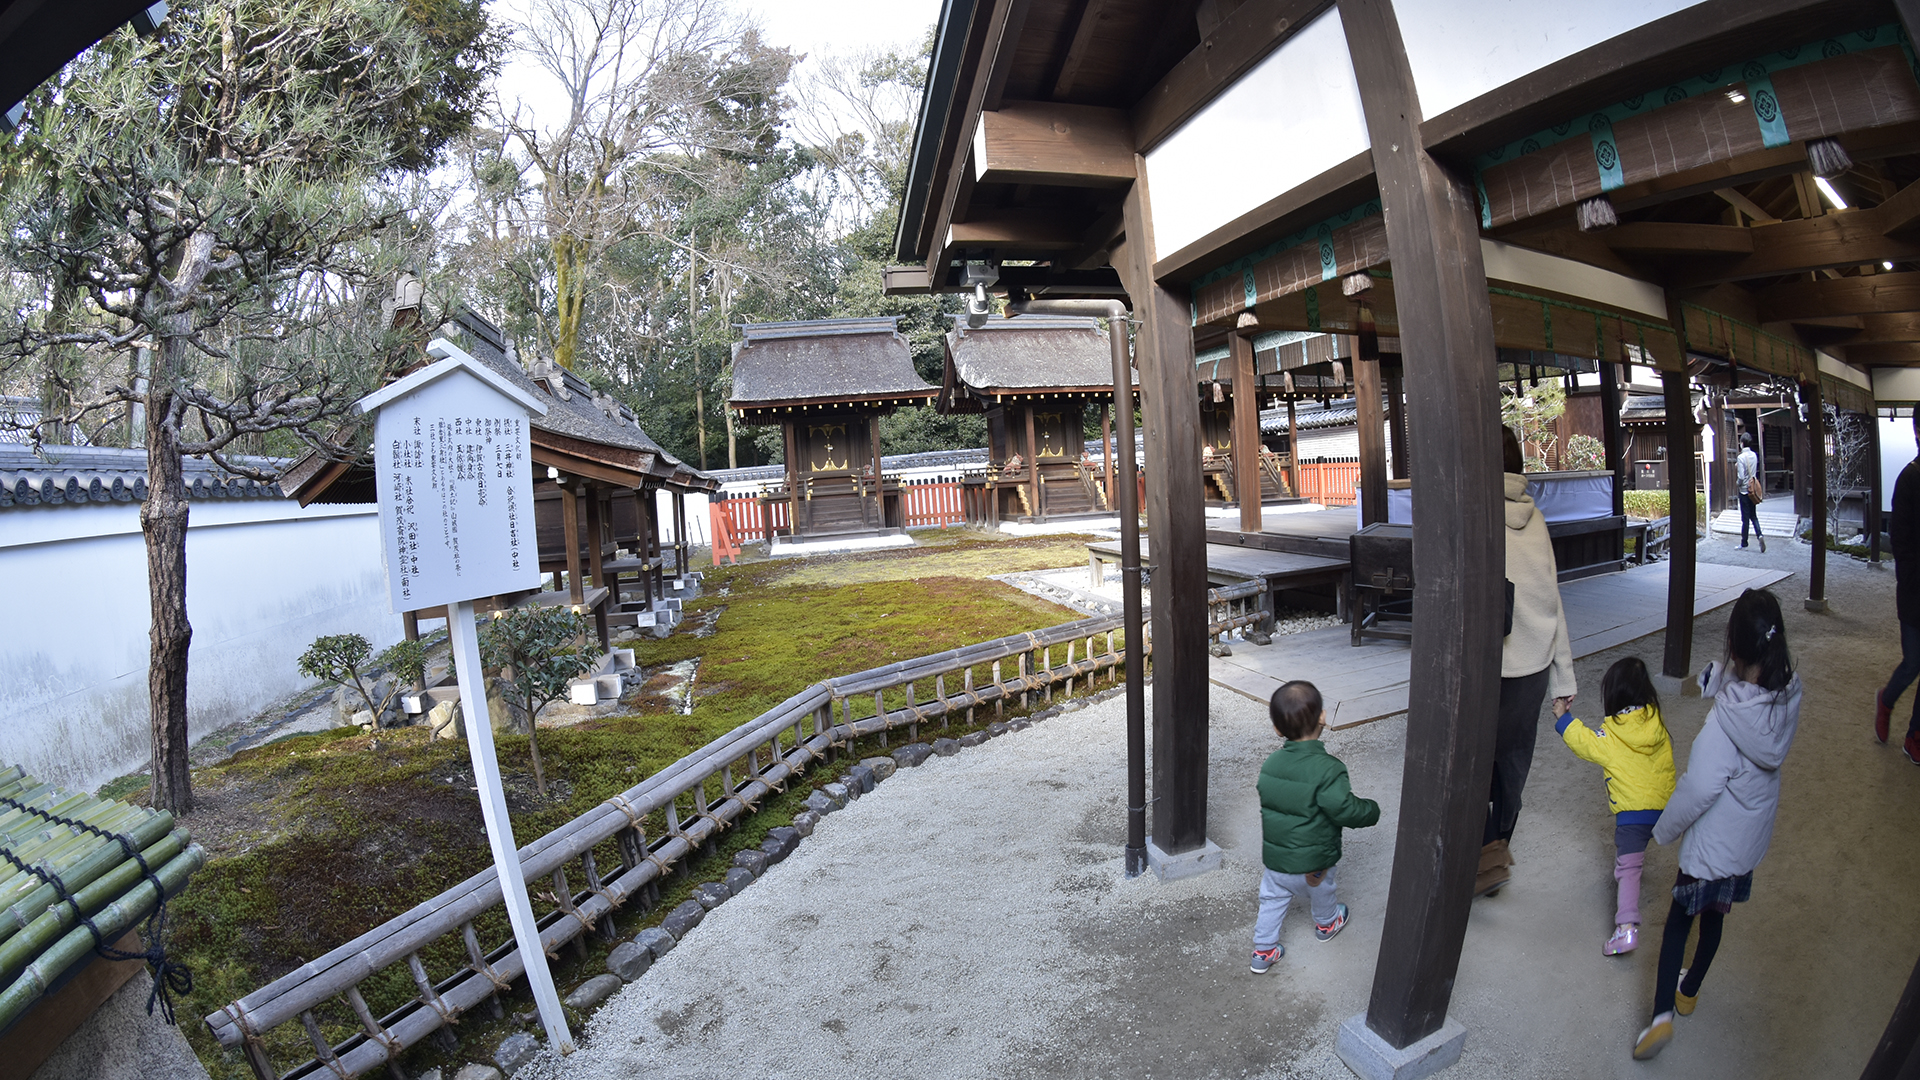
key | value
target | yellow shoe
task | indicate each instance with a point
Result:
(1683, 1004)
(1654, 1039)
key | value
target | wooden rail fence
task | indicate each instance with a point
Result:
(1329, 481)
(685, 806)
(932, 502)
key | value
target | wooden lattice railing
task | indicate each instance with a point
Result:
(686, 805)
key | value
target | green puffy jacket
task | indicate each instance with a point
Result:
(1305, 800)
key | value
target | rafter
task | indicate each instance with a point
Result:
(1679, 238)
(1869, 295)
(1887, 354)
(1242, 40)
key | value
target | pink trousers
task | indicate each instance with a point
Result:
(1626, 872)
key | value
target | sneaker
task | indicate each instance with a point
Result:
(1763, 544)
(1882, 715)
(1325, 931)
(1683, 1003)
(1263, 959)
(1625, 939)
(1912, 748)
(1654, 1039)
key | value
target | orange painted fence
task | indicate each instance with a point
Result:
(931, 502)
(1329, 481)
(739, 517)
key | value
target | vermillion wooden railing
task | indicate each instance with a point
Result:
(742, 515)
(932, 502)
(622, 848)
(1329, 481)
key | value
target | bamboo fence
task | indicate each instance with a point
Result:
(751, 762)
(51, 834)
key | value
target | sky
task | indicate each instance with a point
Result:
(815, 27)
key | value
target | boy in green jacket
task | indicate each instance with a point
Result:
(1305, 800)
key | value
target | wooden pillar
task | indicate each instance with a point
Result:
(596, 539)
(1176, 531)
(1371, 421)
(1680, 552)
(1802, 467)
(1397, 422)
(1293, 448)
(879, 492)
(1446, 334)
(656, 573)
(1717, 481)
(1246, 431)
(1610, 433)
(681, 547)
(1817, 469)
(1033, 466)
(1874, 493)
(570, 535)
(1106, 443)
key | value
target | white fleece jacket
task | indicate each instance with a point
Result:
(1539, 639)
(1726, 802)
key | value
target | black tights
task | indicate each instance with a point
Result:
(1673, 949)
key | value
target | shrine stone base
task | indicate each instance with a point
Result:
(1186, 864)
(1373, 1058)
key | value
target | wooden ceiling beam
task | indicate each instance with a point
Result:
(1243, 39)
(1884, 354)
(1899, 215)
(1090, 15)
(1033, 142)
(1679, 238)
(1831, 241)
(1017, 232)
(1870, 295)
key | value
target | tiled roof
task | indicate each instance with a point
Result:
(823, 360)
(78, 475)
(1311, 416)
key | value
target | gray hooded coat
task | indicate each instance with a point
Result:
(1725, 804)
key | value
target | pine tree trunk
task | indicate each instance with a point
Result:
(163, 522)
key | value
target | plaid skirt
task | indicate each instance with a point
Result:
(1720, 894)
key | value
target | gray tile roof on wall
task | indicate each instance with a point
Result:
(1031, 352)
(823, 360)
(82, 475)
(1312, 416)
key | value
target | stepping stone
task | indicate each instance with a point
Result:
(821, 803)
(863, 778)
(683, 919)
(882, 767)
(711, 894)
(805, 821)
(946, 747)
(913, 754)
(656, 941)
(838, 793)
(737, 879)
(787, 835)
(593, 992)
(973, 738)
(629, 960)
(753, 861)
(997, 729)
(515, 1051)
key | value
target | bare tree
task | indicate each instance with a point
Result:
(653, 91)
(856, 115)
(204, 211)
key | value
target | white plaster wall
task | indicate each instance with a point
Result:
(1897, 448)
(1896, 384)
(1294, 116)
(1461, 49)
(1524, 266)
(264, 578)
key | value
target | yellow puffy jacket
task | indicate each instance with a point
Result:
(1633, 747)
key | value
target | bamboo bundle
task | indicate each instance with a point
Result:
(68, 863)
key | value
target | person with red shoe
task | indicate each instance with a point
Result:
(1904, 526)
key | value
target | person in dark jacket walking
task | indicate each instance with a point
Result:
(1305, 800)
(1904, 524)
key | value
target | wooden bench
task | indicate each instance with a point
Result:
(1651, 538)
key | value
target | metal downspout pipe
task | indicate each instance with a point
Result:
(1129, 510)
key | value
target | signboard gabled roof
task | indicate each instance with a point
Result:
(449, 358)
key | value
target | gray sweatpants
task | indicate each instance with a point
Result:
(1277, 891)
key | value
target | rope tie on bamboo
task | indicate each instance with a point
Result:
(620, 803)
(482, 967)
(169, 978)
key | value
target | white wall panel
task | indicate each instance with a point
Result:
(1294, 116)
(1461, 49)
(264, 578)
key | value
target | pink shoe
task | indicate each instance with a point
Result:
(1625, 939)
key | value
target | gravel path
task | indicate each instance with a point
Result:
(971, 919)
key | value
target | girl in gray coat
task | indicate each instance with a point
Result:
(1723, 808)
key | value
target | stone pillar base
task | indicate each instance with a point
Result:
(1373, 1058)
(1187, 864)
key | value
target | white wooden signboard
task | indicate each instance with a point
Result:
(455, 477)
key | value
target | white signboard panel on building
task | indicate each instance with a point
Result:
(455, 476)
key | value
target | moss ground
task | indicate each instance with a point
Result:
(315, 839)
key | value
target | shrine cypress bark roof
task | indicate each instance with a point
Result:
(824, 361)
(1030, 353)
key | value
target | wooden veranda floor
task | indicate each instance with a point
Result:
(1370, 682)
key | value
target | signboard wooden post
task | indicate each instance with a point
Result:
(452, 458)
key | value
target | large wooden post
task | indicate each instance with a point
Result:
(1033, 466)
(1718, 483)
(1176, 532)
(1610, 432)
(1246, 431)
(1446, 326)
(570, 535)
(1680, 506)
(1293, 448)
(1874, 493)
(1397, 423)
(1817, 467)
(1371, 431)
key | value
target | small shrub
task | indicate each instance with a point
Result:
(536, 652)
(341, 658)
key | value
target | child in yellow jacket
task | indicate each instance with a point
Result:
(1633, 747)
